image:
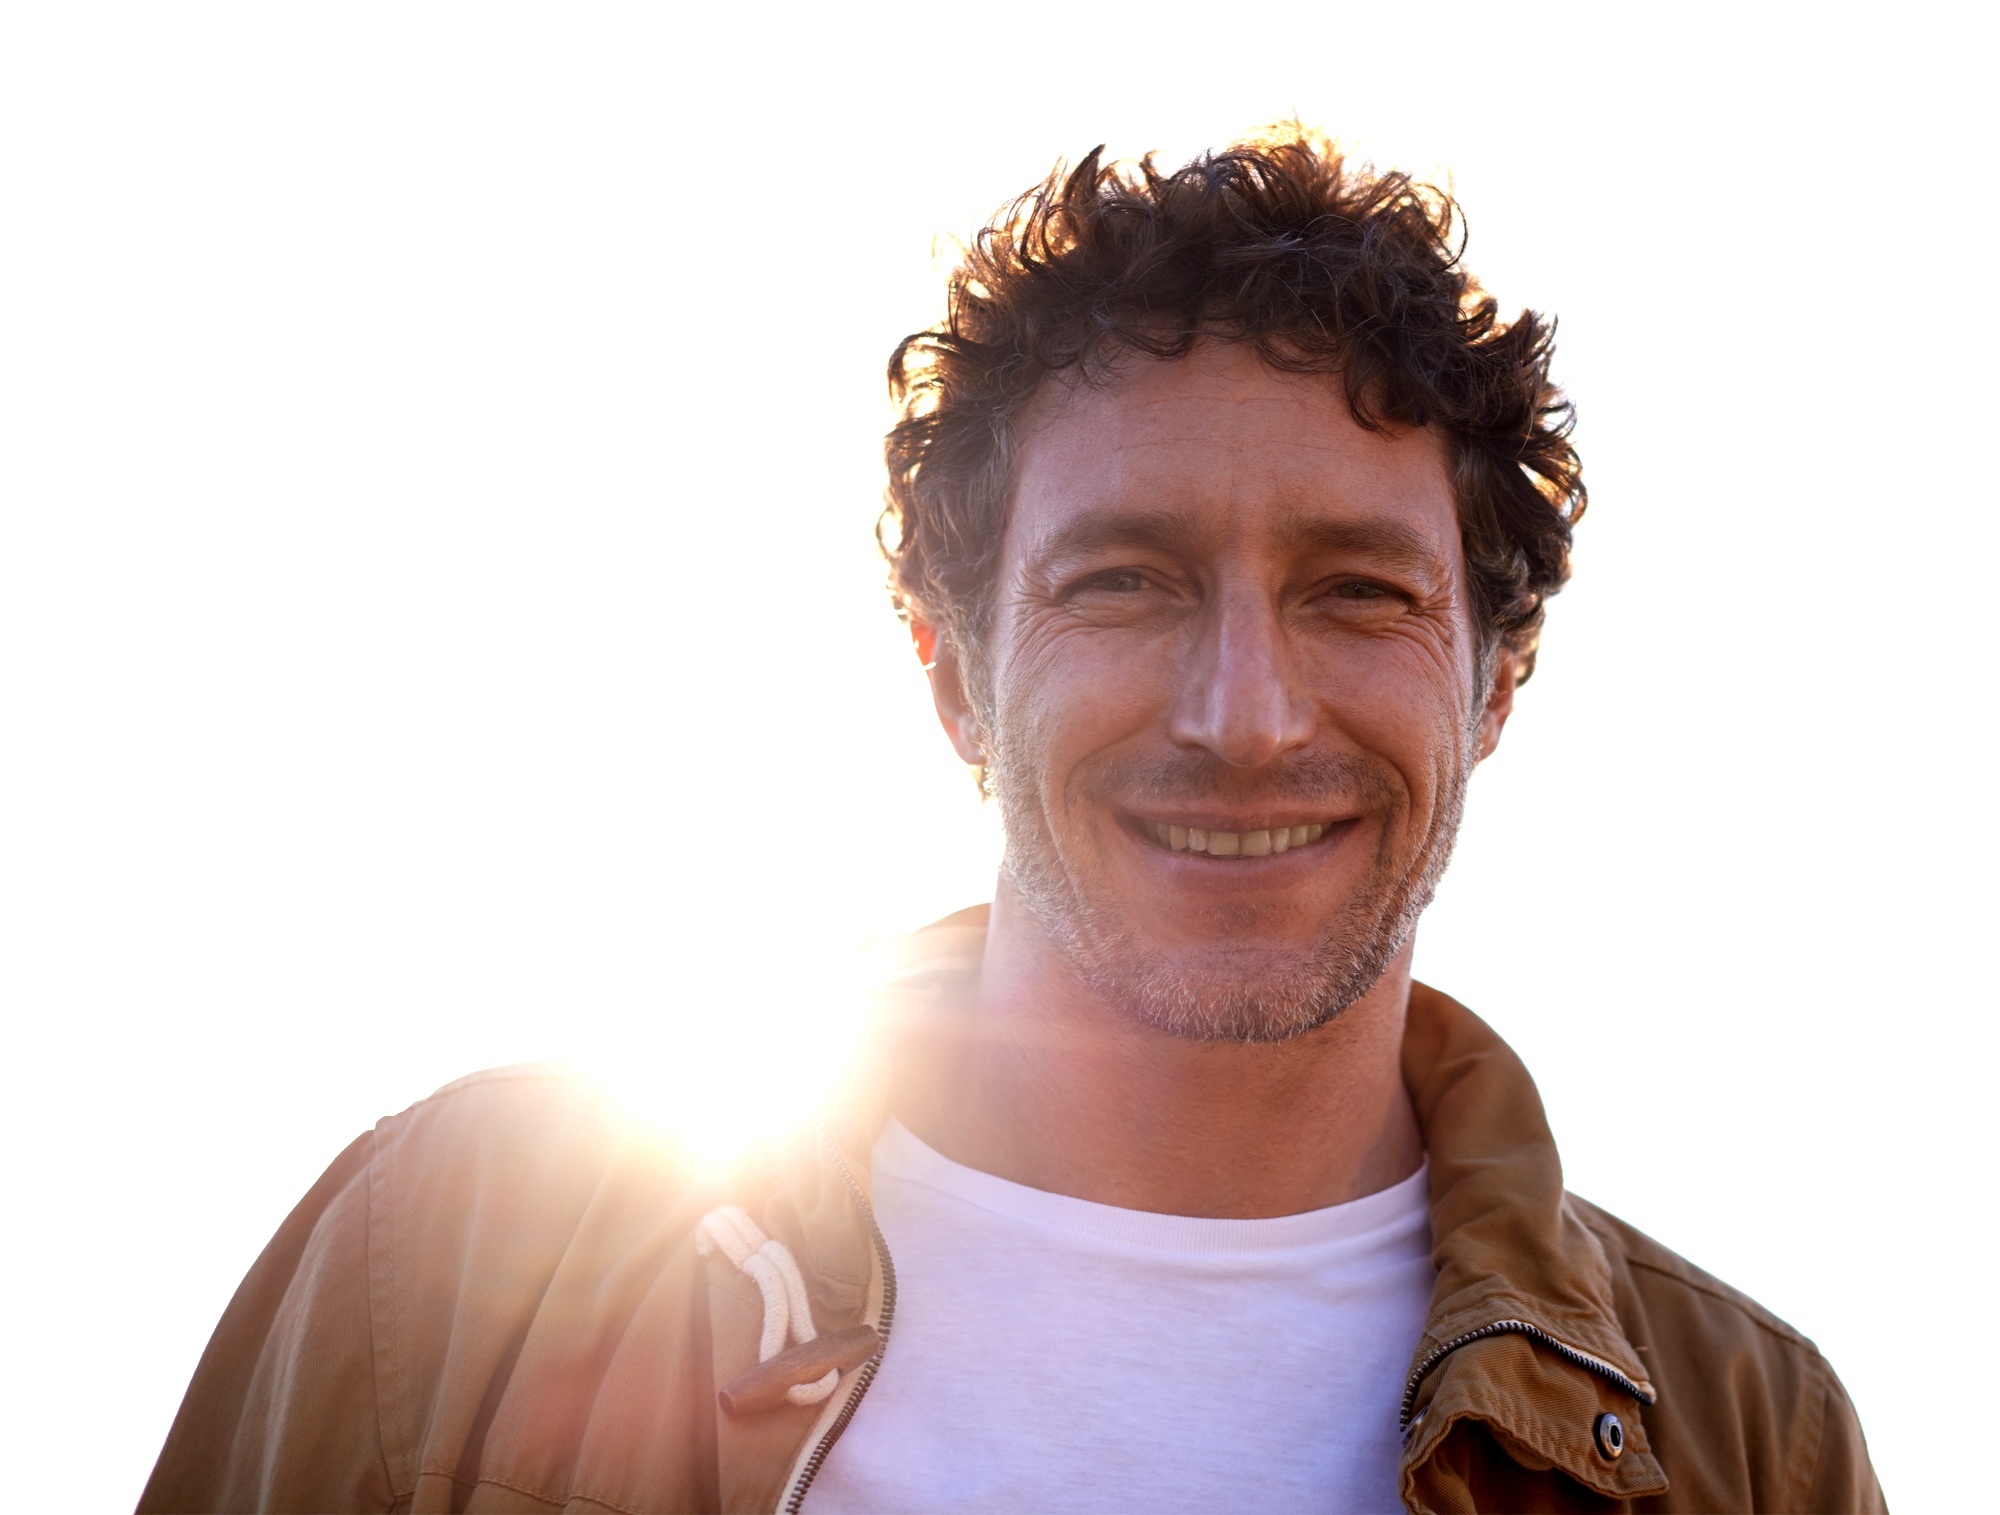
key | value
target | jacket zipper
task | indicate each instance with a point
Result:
(866, 1376)
(1563, 1350)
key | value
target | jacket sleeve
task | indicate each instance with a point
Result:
(1843, 1479)
(281, 1413)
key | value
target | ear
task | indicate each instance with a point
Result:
(1499, 702)
(954, 710)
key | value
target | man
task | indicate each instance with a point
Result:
(1223, 510)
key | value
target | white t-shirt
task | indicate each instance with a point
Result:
(1049, 1354)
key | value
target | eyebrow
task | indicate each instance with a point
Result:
(1390, 542)
(1168, 530)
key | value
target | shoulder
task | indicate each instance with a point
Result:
(1662, 1274)
(1749, 1413)
(519, 1150)
(511, 1197)
(497, 1097)
(314, 1388)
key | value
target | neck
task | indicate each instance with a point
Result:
(1047, 1085)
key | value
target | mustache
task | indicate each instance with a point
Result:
(1298, 778)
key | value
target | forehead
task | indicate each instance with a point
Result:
(1230, 448)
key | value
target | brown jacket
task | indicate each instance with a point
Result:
(493, 1301)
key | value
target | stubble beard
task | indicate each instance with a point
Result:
(1250, 994)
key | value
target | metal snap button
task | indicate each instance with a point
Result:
(1610, 1432)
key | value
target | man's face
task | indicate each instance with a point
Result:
(1234, 690)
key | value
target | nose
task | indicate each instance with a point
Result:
(1241, 698)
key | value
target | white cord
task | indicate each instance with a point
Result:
(771, 1266)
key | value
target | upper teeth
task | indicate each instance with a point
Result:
(1233, 843)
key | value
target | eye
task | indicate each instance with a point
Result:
(1361, 602)
(1116, 581)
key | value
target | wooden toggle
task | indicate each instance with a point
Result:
(763, 1387)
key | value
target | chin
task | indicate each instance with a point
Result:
(1235, 994)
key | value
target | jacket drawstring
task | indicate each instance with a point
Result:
(771, 1266)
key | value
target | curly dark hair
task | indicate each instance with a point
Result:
(1321, 265)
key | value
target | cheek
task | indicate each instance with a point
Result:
(1402, 699)
(1067, 697)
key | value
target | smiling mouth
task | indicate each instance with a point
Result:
(1231, 843)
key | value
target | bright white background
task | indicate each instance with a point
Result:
(439, 626)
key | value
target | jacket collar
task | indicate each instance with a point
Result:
(1522, 1334)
